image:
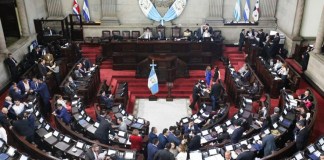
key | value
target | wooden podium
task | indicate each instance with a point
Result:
(166, 67)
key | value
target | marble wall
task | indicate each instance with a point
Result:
(36, 9)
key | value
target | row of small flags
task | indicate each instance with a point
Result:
(246, 13)
(85, 9)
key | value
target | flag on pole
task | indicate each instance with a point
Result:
(86, 13)
(246, 13)
(76, 8)
(256, 11)
(237, 11)
(152, 82)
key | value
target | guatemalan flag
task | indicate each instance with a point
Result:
(152, 82)
(76, 8)
(86, 13)
(237, 11)
(246, 13)
(256, 11)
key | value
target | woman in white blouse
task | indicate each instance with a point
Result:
(182, 155)
(60, 100)
(3, 134)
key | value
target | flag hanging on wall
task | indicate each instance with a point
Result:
(86, 13)
(76, 8)
(237, 11)
(246, 13)
(152, 82)
(256, 11)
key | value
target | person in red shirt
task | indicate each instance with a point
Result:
(136, 140)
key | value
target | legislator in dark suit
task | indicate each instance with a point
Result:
(246, 155)
(194, 143)
(151, 151)
(102, 132)
(301, 139)
(262, 38)
(107, 101)
(90, 154)
(305, 58)
(163, 140)
(42, 90)
(195, 96)
(268, 144)
(23, 129)
(4, 120)
(237, 135)
(164, 154)
(241, 40)
(12, 65)
(42, 69)
(62, 113)
(152, 136)
(215, 94)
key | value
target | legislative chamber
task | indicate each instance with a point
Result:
(161, 79)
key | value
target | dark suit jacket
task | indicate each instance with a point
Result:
(195, 92)
(42, 90)
(68, 91)
(242, 38)
(103, 130)
(89, 155)
(11, 62)
(64, 114)
(194, 144)
(246, 76)
(216, 90)
(107, 101)
(268, 144)
(42, 69)
(4, 120)
(164, 155)
(32, 85)
(187, 130)
(21, 86)
(246, 155)
(162, 141)
(237, 135)
(151, 151)
(173, 138)
(151, 136)
(301, 139)
(22, 127)
(274, 118)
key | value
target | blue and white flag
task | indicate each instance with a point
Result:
(152, 82)
(86, 13)
(246, 13)
(237, 11)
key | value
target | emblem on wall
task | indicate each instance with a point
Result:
(176, 7)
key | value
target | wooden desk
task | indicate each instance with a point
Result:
(272, 85)
(126, 55)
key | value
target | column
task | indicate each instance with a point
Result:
(3, 46)
(54, 8)
(268, 13)
(215, 12)
(298, 18)
(109, 15)
(23, 17)
(320, 35)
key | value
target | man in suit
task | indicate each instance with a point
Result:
(93, 152)
(34, 83)
(246, 154)
(228, 156)
(275, 116)
(254, 89)
(305, 58)
(172, 137)
(237, 133)
(191, 127)
(242, 39)
(3, 118)
(194, 144)
(153, 134)
(42, 90)
(68, 90)
(62, 113)
(108, 101)
(103, 131)
(49, 31)
(42, 68)
(246, 75)
(195, 95)
(152, 149)
(301, 137)
(163, 138)
(22, 127)
(12, 64)
(262, 37)
(164, 154)
(275, 45)
(102, 116)
(268, 144)
(215, 93)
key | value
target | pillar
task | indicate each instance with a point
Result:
(215, 12)
(320, 35)
(267, 12)
(23, 17)
(54, 8)
(298, 18)
(109, 15)
(3, 46)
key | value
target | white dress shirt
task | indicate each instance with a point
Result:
(3, 134)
